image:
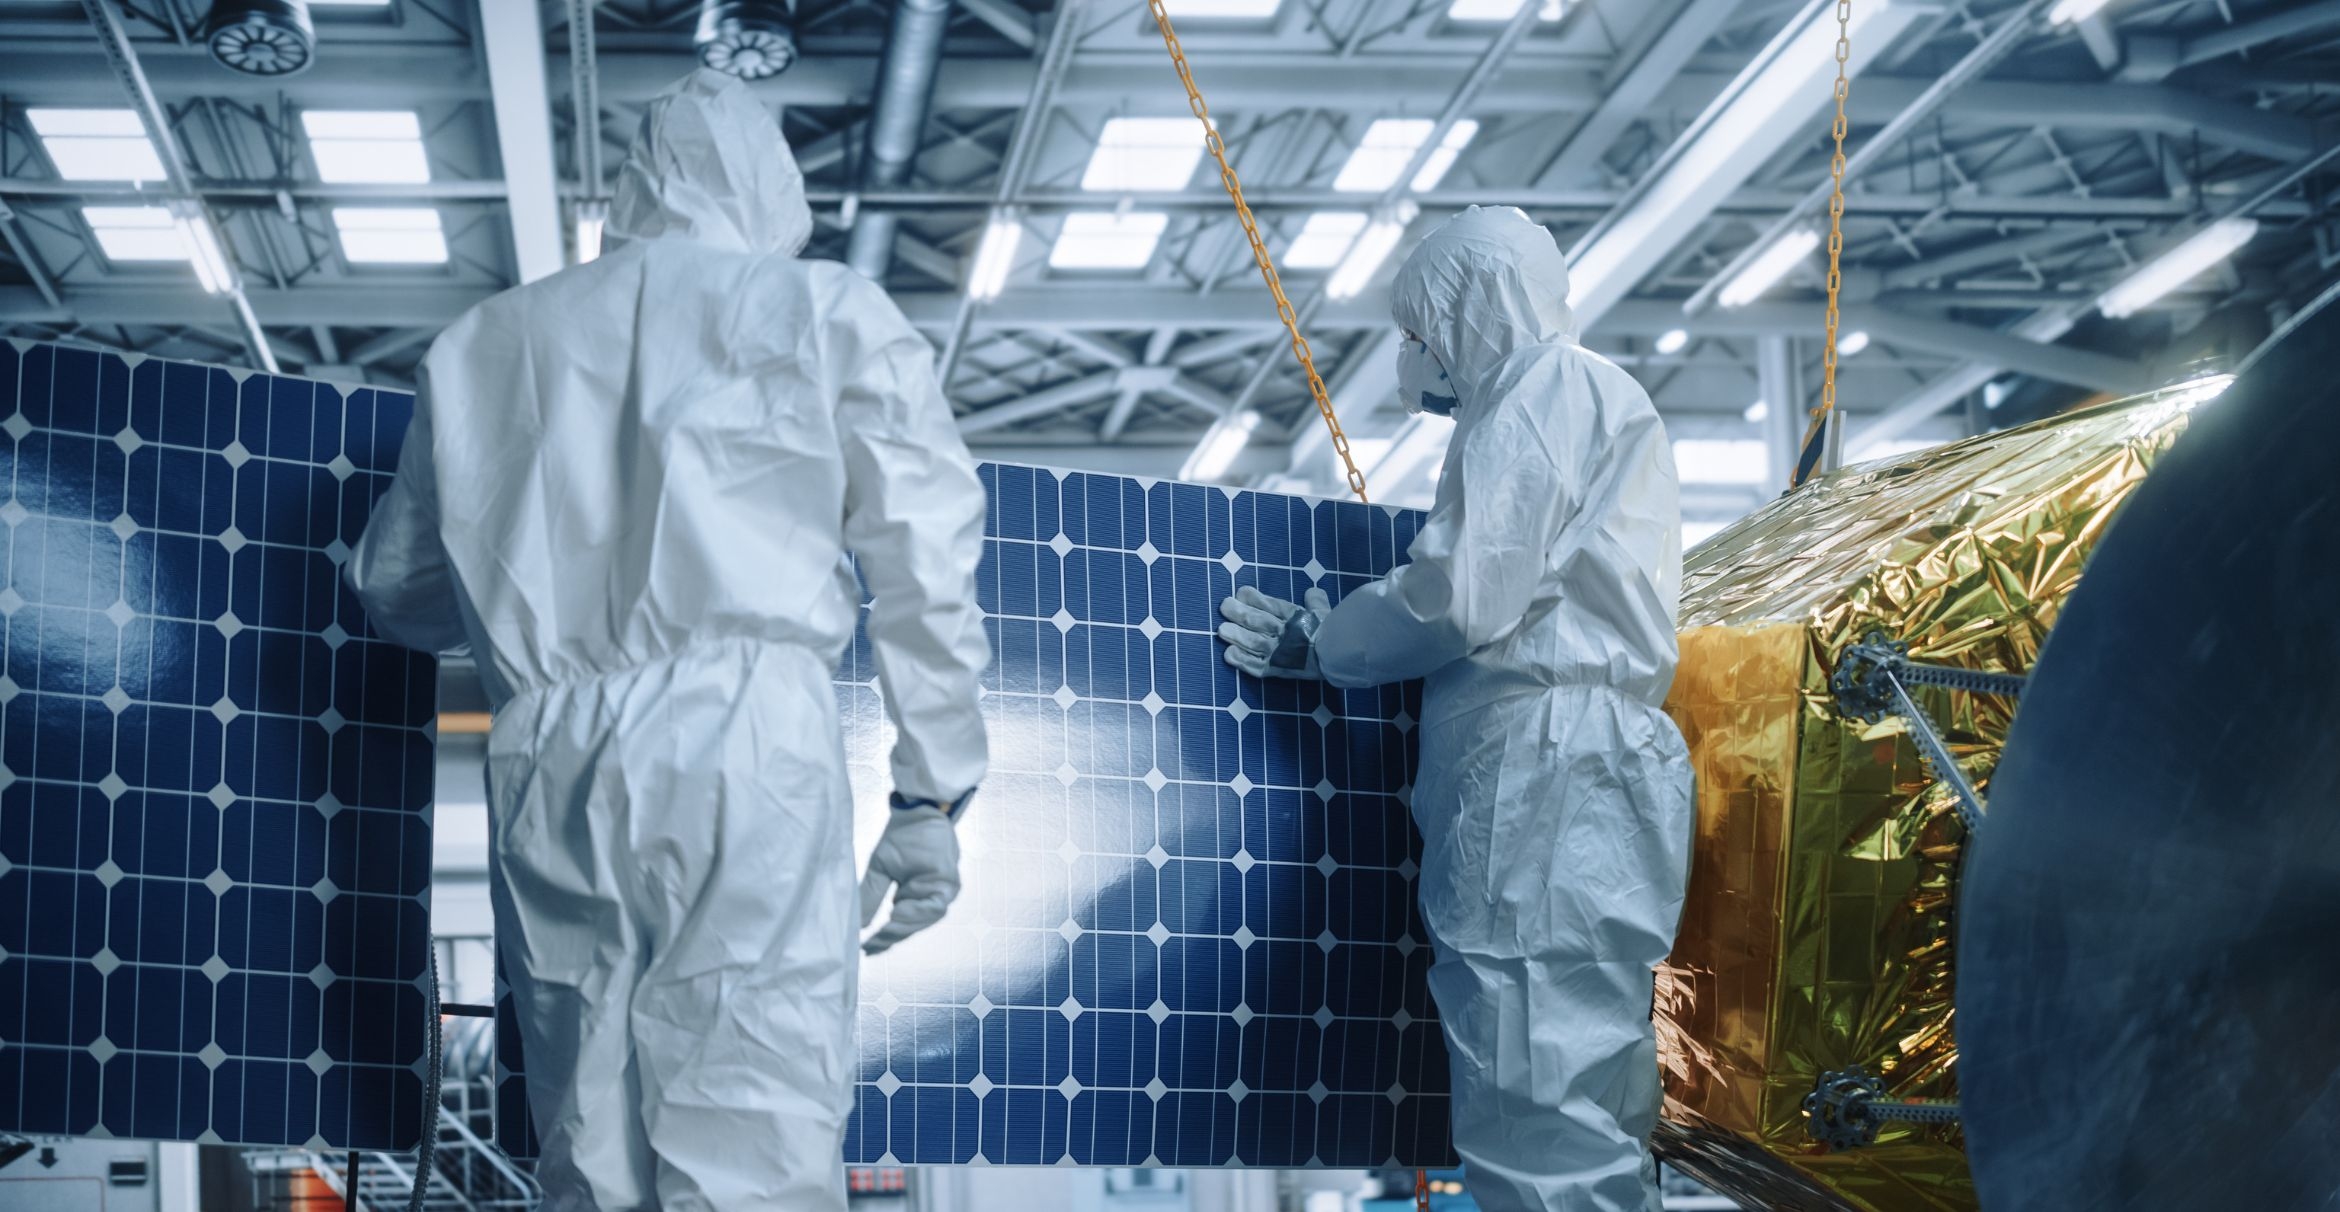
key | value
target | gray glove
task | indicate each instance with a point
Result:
(917, 858)
(1270, 637)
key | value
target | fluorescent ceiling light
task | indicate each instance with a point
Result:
(994, 257)
(203, 253)
(96, 144)
(1778, 97)
(1221, 10)
(1852, 343)
(1144, 154)
(391, 235)
(2073, 12)
(1390, 143)
(589, 227)
(349, 3)
(1324, 239)
(1497, 10)
(1372, 247)
(1722, 461)
(1216, 452)
(1757, 412)
(2178, 266)
(136, 233)
(1672, 341)
(1103, 240)
(367, 146)
(1765, 271)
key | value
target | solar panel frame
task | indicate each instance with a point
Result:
(213, 914)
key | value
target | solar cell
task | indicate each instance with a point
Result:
(215, 782)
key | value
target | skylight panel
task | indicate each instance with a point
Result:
(1390, 143)
(1144, 154)
(136, 233)
(1722, 461)
(96, 144)
(1102, 240)
(391, 235)
(1221, 10)
(1497, 10)
(1324, 239)
(367, 146)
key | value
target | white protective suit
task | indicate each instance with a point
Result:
(1554, 795)
(630, 487)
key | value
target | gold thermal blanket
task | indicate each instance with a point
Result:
(1820, 922)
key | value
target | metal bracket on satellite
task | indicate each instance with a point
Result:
(1847, 1108)
(1872, 681)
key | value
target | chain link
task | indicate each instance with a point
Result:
(1259, 252)
(1421, 1191)
(1835, 234)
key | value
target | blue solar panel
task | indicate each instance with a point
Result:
(215, 783)
(1188, 935)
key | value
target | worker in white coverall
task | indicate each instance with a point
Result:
(1553, 795)
(630, 488)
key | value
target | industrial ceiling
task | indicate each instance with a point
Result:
(2013, 162)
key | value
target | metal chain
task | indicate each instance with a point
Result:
(1259, 253)
(1835, 238)
(1421, 1191)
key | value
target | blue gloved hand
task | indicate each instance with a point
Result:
(917, 858)
(1270, 637)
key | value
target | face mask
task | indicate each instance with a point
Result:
(1422, 382)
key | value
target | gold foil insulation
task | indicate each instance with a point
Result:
(1819, 927)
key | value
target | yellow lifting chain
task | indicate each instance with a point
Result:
(1809, 456)
(1259, 252)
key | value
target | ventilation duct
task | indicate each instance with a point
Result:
(750, 39)
(897, 122)
(261, 37)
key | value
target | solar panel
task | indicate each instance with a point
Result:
(1188, 935)
(215, 783)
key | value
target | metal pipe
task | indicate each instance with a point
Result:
(1989, 51)
(585, 98)
(897, 122)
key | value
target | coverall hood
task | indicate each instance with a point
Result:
(709, 163)
(1482, 286)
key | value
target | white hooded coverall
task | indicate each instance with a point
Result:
(1554, 794)
(630, 487)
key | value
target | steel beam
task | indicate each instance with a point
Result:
(1085, 390)
(1719, 152)
(1751, 202)
(2026, 103)
(512, 40)
(29, 260)
(1010, 21)
(130, 74)
(2012, 30)
(2246, 35)
(1950, 387)
(1982, 256)
(71, 73)
(1637, 90)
